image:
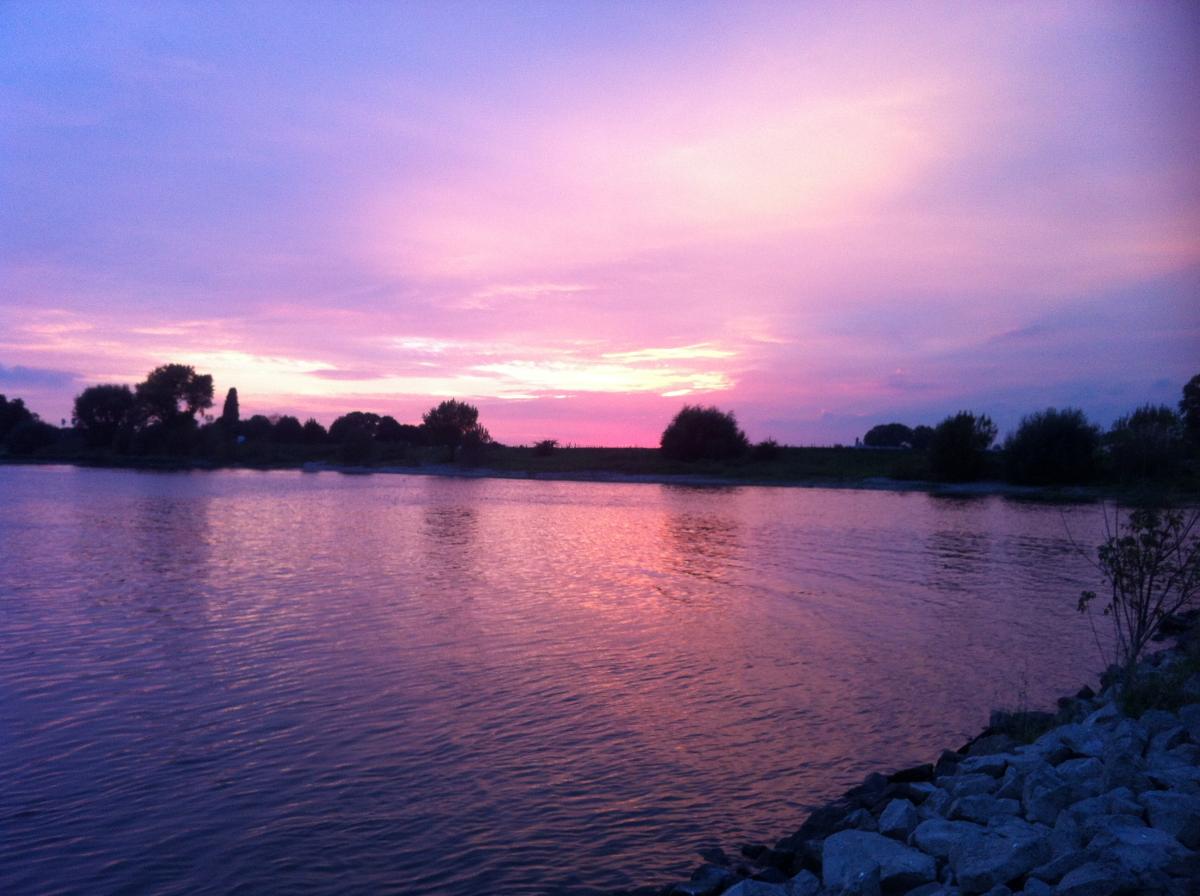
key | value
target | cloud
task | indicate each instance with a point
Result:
(36, 377)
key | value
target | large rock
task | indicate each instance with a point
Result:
(1178, 814)
(982, 808)
(707, 880)
(993, 764)
(999, 855)
(1061, 865)
(938, 837)
(1096, 879)
(962, 785)
(849, 857)
(803, 884)
(899, 819)
(1045, 794)
(1133, 846)
(936, 805)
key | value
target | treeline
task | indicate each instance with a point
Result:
(165, 415)
(1057, 446)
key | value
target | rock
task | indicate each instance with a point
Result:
(1084, 774)
(849, 857)
(999, 890)
(1155, 721)
(936, 806)
(861, 820)
(993, 764)
(707, 880)
(949, 760)
(753, 850)
(1010, 784)
(960, 785)
(1105, 716)
(1096, 879)
(756, 888)
(1080, 739)
(998, 855)
(990, 743)
(1085, 693)
(1045, 794)
(1035, 887)
(938, 837)
(1178, 814)
(1054, 870)
(912, 775)
(1189, 717)
(1094, 825)
(1134, 847)
(804, 884)
(933, 889)
(898, 819)
(714, 855)
(917, 792)
(982, 808)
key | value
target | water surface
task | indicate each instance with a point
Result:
(244, 682)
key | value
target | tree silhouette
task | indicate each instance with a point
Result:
(12, 413)
(957, 449)
(888, 435)
(450, 422)
(1189, 408)
(101, 411)
(1053, 446)
(698, 433)
(172, 392)
(229, 412)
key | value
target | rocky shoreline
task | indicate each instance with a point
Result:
(1092, 800)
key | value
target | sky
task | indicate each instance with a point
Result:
(580, 217)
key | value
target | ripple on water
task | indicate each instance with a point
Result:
(238, 682)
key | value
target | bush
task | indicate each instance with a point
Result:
(699, 433)
(888, 435)
(957, 449)
(545, 447)
(1147, 444)
(1151, 563)
(1051, 447)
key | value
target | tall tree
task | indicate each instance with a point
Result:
(451, 422)
(1189, 409)
(101, 411)
(172, 392)
(230, 415)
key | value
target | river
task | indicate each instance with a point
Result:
(247, 682)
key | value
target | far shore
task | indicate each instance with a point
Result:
(991, 487)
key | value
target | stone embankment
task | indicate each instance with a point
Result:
(1099, 804)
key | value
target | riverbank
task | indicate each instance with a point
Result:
(1100, 798)
(1158, 494)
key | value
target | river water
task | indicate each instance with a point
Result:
(246, 682)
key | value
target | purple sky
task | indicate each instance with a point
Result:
(580, 217)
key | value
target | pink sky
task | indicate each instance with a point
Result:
(580, 217)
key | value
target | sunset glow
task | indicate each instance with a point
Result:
(579, 217)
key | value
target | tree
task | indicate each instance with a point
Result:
(1151, 563)
(314, 432)
(921, 437)
(699, 433)
(1189, 408)
(389, 430)
(172, 392)
(288, 430)
(11, 413)
(1147, 444)
(451, 422)
(101, 411)
(30, 435)
(351, 424)
(230, 415)
(258, 428)
(957, 450)
(888, 435)
(1051, 447)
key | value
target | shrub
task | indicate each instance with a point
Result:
(1151, 563)
(957, 449)
(888, 435)
(545, 447)
(1147, 444)
(698, 433)
(1053, 446)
